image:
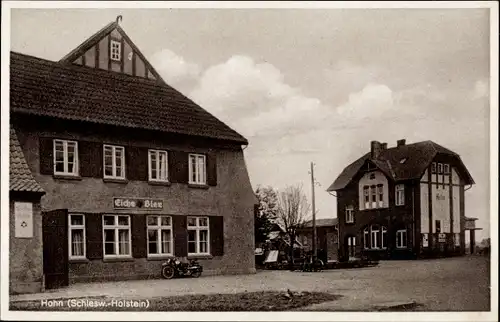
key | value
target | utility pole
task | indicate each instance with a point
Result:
(315, 251)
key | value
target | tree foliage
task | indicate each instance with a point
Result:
(266, 212)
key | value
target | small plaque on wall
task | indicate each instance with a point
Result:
(425, 240)
(23, 214)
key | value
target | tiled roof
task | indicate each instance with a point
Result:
(324, 222)
(72, 92)
(417, 157)
(20, 175)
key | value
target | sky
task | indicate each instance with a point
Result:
(311, 85)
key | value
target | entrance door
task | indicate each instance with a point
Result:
(351, 246)
(55, 248)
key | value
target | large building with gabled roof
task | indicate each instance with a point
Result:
(405, 201)
(134, 172)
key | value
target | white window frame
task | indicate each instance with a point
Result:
(374, 234)
(383, 230)
(373, 193)
(434, 167)
(380, 195)
(404, 240)
(446, 168)
(119, 49)
(71, 228)
(199, 228)
(161, 177)
(65, 172)
(200, 172)
(116, 227)
(114, 148)
(366, 233)
(366, 195)
(351, 241)
(159, 227)
(349, 214)
(440, 168)
(400, 195)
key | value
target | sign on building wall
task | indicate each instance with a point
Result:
(442, 238)
(138, 203)
(23, 214)
(425, 240)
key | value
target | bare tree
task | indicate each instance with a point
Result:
(292, 212)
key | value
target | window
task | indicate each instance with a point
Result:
(438, 226)
(116, 230)
(335, 238)
(65, 157)
(366, 193)
(375, 237)
(374, 196)
(384, 237)
(440, 168)
(400, 195)
(351, 243)
(433, 167)
(116, 50)
(114, 162)
(372, 176)
(446, 168)
(158, 165)
(380, 190)
(365, 238)
(197, 169)
(401, 238)
(159, 235)
(349, 214)
(76, 236)
(374, 233)
(198, 235)
(457, 239)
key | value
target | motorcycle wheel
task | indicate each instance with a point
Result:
(167, 272)
(196, 274)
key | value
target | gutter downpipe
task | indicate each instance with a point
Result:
(338, 229)
(413, 216)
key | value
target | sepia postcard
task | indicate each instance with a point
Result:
(261, 161)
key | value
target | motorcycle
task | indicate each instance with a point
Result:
(174, 267)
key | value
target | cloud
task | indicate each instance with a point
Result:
(288, 129)
(481, 89)
(373, 100)
(175, 70)
(254, 98)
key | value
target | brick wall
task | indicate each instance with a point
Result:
(392, 217)
(26, 254)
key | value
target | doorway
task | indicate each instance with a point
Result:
(55, 248)
(351, 246)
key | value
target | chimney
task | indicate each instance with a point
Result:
(376, 148)
(401, 142)
(383, 146)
